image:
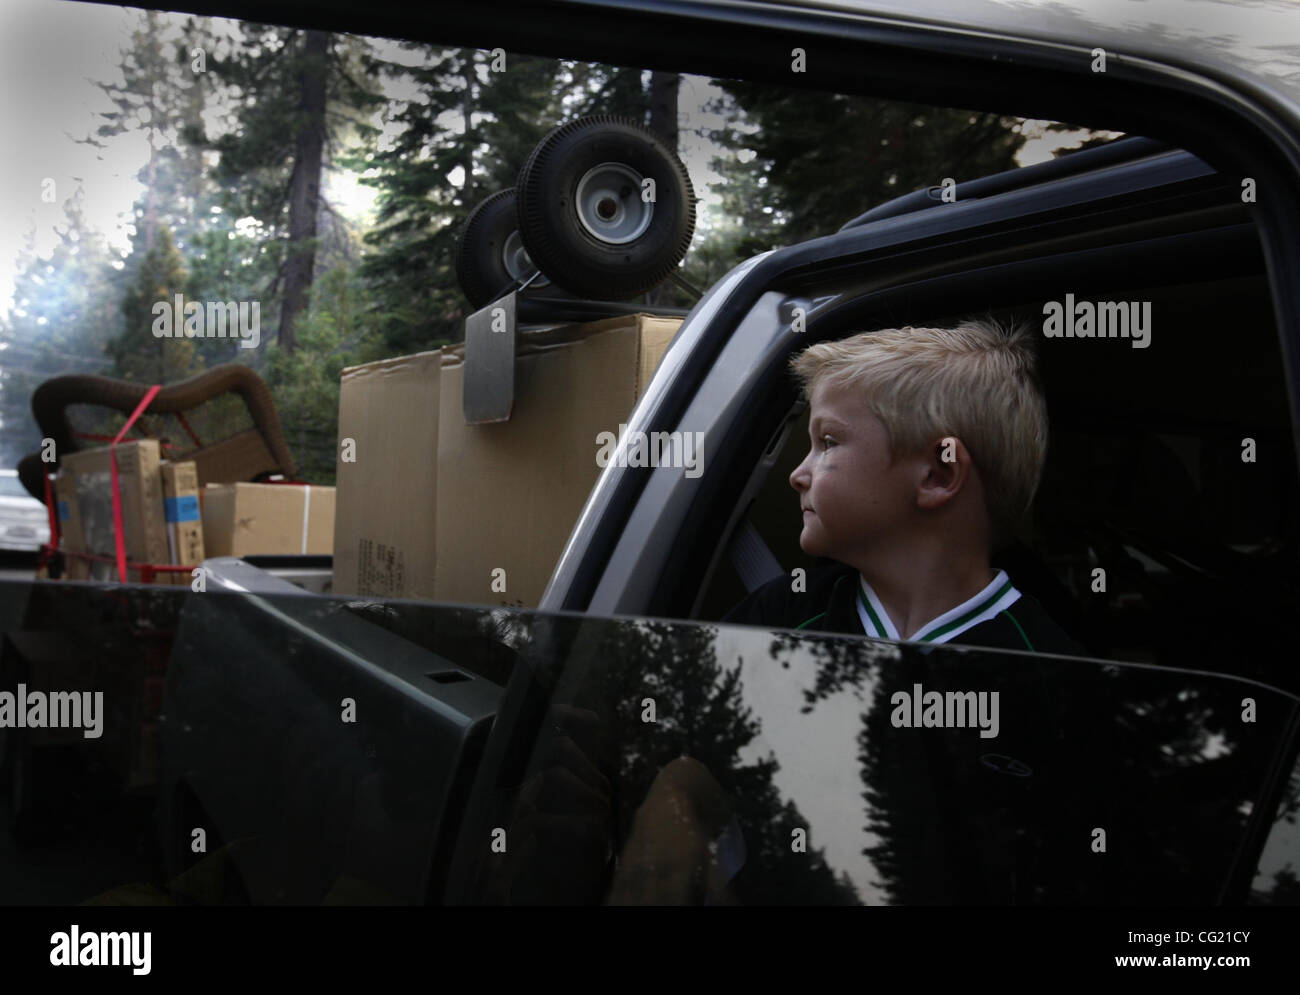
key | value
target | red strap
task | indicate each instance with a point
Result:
(118, 538)
(94, 437)
(180, 417)
(156, 568)
(49, 506)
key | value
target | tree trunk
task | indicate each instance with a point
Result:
(150, 207)
(304, 185)
(663, 106)
(664, 88)
(467, 109)
(155, 115)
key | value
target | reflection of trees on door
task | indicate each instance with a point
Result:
(1161, 761)
(699, 712)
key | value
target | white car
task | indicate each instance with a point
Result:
(24, 522)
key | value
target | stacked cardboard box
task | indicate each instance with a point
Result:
(268, 519)
(181, 512)
(71, 536)
(89, 486)
(430, 507)
(168, 519)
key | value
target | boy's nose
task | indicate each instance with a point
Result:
(799, 478)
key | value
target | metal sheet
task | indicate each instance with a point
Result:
(490, 363)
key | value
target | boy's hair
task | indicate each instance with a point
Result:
(977, 381)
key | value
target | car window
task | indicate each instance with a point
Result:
(11, 487)
(1277, 875)
(297, 752)
(830, 770)
(209, 208)
(1164, 499)
(212, 757)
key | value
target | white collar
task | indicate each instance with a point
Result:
(999, 595)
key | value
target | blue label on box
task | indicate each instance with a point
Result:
(181, 509)
(63, 511)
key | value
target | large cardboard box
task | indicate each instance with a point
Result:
(181, 512)
(387, 478)
(140, 484)
(436, 509)
(267, 519)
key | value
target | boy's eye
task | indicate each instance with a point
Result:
(827, 442)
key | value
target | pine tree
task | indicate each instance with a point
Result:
(300, 94)
(475, 116)
(65, 312)
(411, 267)
(160, 95)
(335, 331)
(820, 159)
(596, 88)
(139, 354)
(521, 105)
(467, 125)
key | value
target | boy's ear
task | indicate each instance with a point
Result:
(947, 468)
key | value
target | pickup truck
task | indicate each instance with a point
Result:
(320, 749)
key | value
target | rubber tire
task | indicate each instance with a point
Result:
(479, 270)
(557, 242)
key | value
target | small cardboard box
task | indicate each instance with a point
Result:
(140, 485)
(433, 508)
(71, 537)
(267, 519)
(181, 512)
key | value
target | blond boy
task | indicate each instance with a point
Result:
(927, 445)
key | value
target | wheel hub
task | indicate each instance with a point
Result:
(515, 258)
(609, 205)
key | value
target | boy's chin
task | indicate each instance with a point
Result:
(811, 544)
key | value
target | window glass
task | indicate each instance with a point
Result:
(509, 756)
(1277, 876)
(1030, 779)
